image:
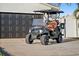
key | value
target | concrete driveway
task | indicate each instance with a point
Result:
(18, 47)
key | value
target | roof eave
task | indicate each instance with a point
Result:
(51, 6)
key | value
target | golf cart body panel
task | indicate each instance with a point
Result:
(37, 27)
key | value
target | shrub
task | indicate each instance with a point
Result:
(75, 13)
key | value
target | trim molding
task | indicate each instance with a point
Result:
(20, 13)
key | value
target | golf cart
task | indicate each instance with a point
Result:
(45, 29)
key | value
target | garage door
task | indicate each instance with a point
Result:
(14, 25)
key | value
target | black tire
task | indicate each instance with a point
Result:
(44, 40)
(59, 39)
(29, 39)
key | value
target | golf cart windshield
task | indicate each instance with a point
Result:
(37, 22)
(54, 14)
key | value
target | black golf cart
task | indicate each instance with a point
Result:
(45, 29)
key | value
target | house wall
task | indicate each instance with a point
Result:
(70, 26)
(77, 27)
(22, 7)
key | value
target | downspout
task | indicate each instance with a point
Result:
(64, 27)
(76, 28)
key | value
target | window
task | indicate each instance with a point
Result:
(2, 21)
(23, 28)
(23, 22)
(17, 22)
(2, 28)
(10, 28)
(16, 28)
(10, 22)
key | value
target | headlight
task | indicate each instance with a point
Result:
(40, 31)
(29, 31)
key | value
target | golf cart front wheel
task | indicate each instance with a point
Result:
(28, 39)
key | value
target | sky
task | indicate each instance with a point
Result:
(68, 9)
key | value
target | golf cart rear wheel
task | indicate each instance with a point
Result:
(59, 39)
(44, 40)
(29, 39)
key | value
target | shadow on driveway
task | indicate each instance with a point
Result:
(64, 41)
(54, 41)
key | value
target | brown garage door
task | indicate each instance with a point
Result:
(14, 25)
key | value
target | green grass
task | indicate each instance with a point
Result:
(3, 52)
(0, 54)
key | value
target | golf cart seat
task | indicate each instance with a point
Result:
(52, 25)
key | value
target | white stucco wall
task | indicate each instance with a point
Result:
(78, 27)
(70, 26)
(21, 7)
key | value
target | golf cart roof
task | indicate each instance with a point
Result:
(49, 11)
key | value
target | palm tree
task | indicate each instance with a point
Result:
(76, 12)
(78, 5)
